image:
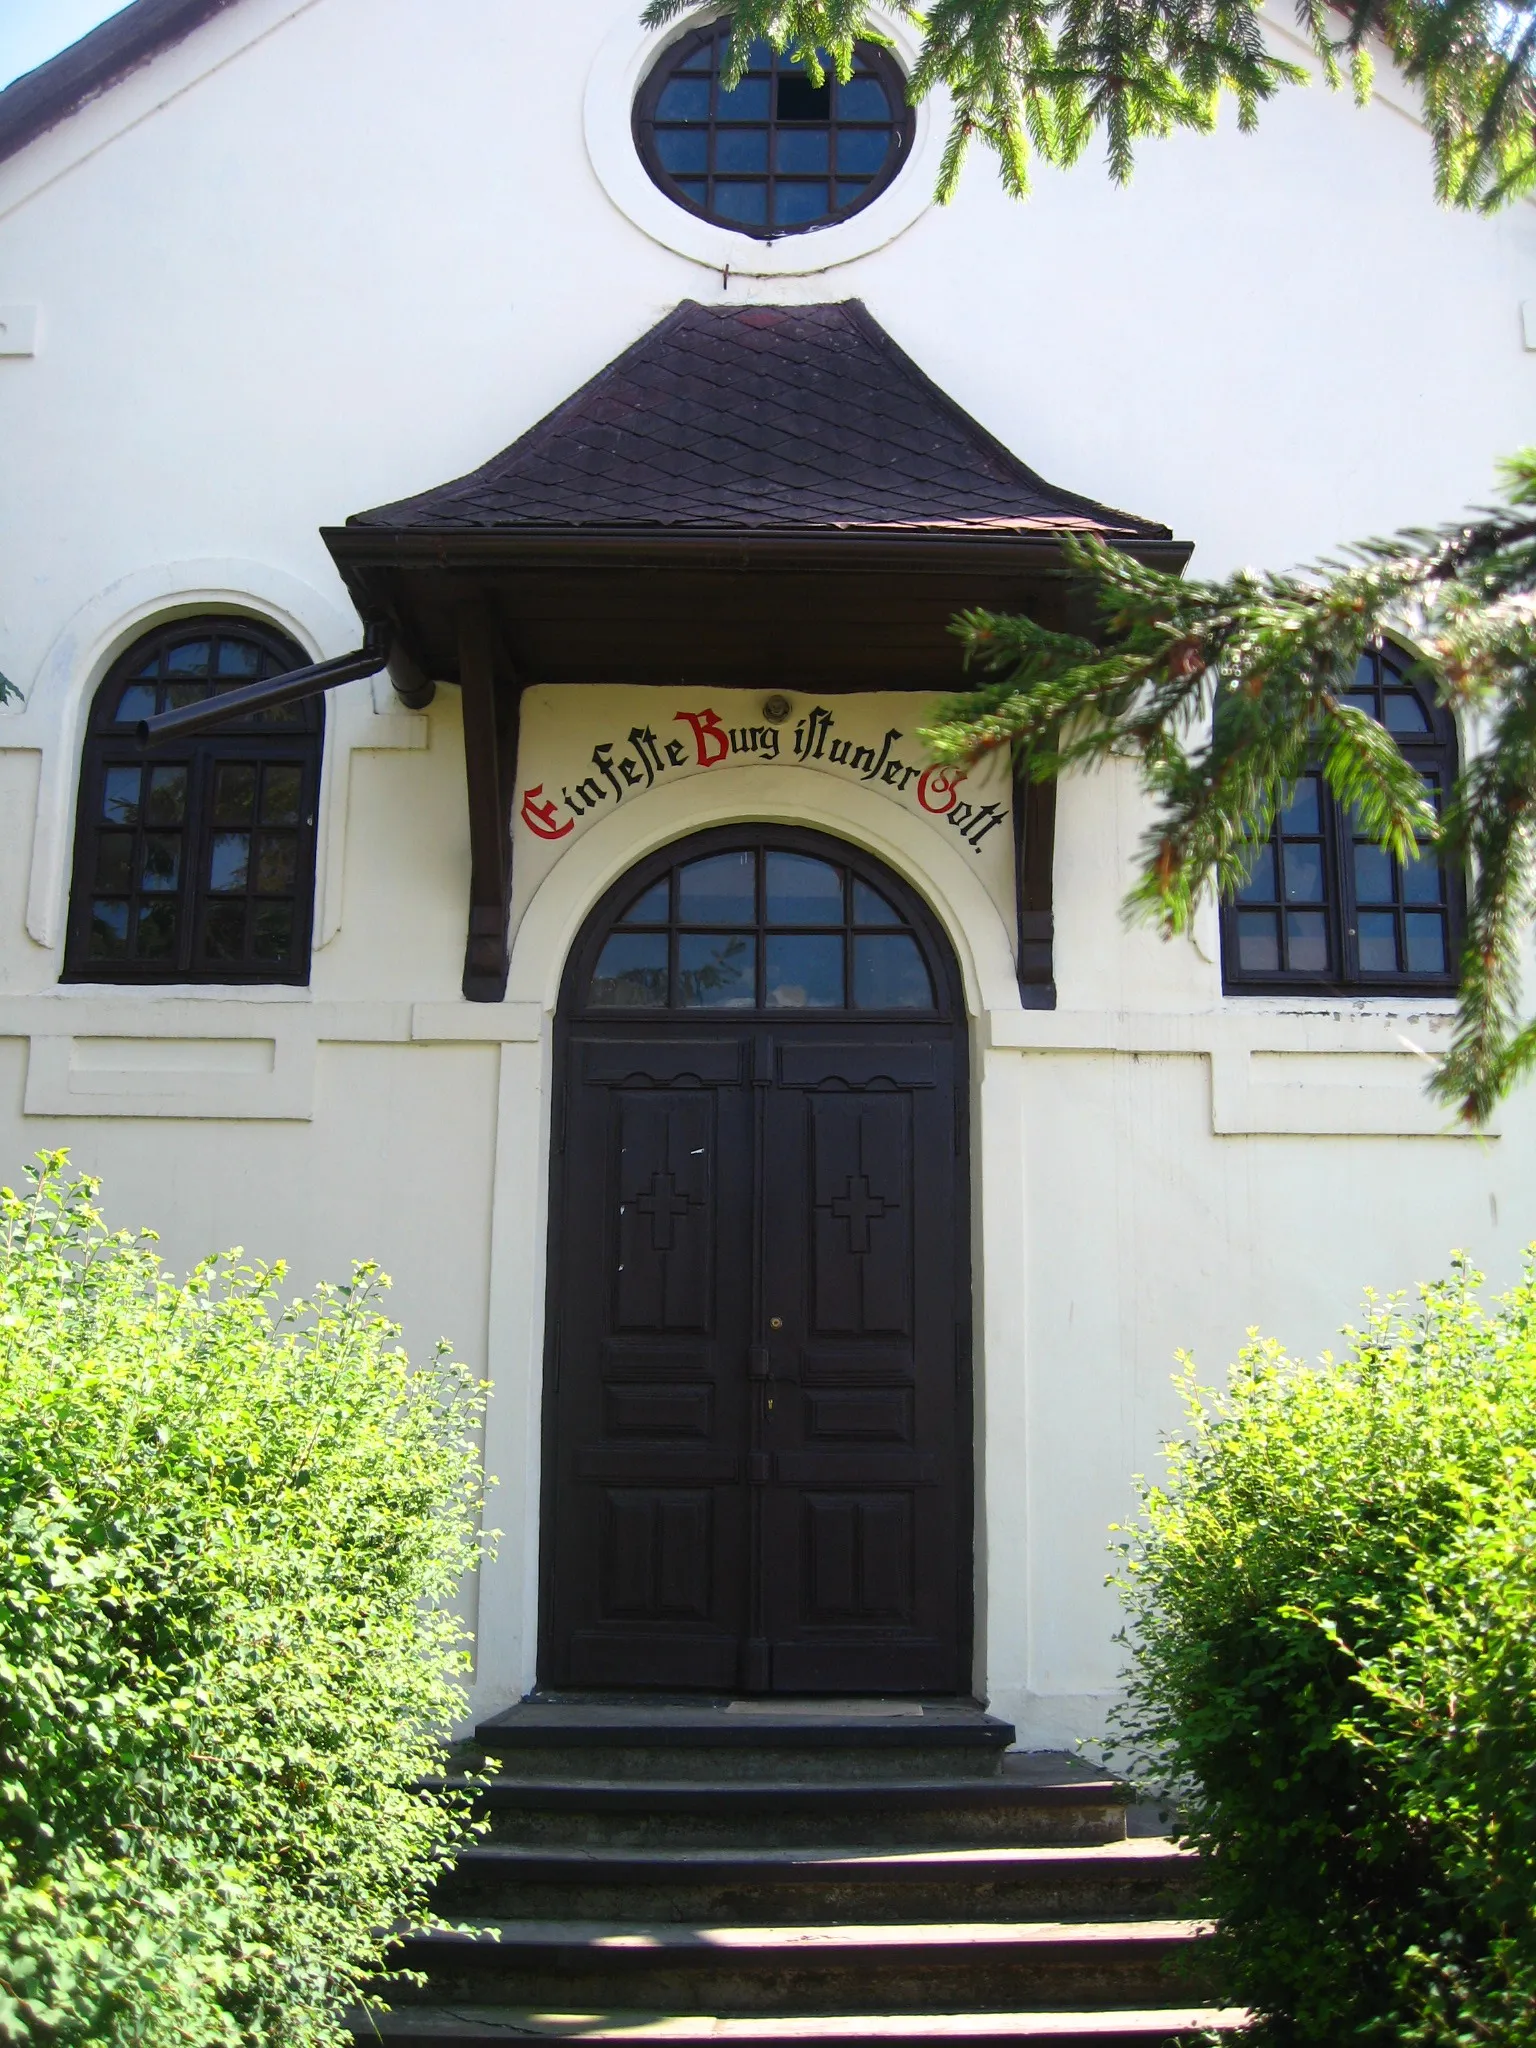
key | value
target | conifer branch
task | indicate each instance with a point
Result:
(1225, 693)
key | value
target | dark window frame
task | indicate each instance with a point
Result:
(916, 919)
(292, 737)
(1385, 674)
(872, 59)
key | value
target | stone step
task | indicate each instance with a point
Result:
(766, 1739)
(794, 1886)
(483, 2027)
(1036, 1799)
(592, 1966)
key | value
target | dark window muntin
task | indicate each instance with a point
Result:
(699, 54)
(1426, 732)
(914, 916)
(290, 737)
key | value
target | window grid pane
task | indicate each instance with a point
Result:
(197, 867)
(766, 929)
(759, 157)
(1322, 903)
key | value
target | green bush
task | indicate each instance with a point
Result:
(1333, 1617)
(229, 1536)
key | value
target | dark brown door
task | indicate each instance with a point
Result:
(757, 1427)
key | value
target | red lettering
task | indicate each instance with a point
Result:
(941, 784)
(710, 738)
(540, 817)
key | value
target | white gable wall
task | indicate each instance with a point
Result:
(318, 257)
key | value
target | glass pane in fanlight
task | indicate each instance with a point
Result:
(870, 907)
(721, 889)
(1404, 713)
(650, 907)
(802, 890)
(190, 659)
(631, 973)
(716, 971)
(749, 102)
(889, 973)
(239, 660)
(136, 702)
(804, 971)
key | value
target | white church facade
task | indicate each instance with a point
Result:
(793, 1134)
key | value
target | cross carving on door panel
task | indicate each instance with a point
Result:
(665, 1206)
(859, 1206)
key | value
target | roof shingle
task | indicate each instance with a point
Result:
(766, 418)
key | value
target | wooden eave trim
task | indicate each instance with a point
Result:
(40, 99)
(835, 550)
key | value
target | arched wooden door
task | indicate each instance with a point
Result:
(757, 1416)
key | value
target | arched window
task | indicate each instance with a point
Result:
(1324, 908)
(195, 861)
(761, 919)
(778, 154)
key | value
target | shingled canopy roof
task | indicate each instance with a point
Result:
(759, 419)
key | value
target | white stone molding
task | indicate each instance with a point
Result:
(618, 71)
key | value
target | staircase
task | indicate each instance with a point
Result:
(808, 1872)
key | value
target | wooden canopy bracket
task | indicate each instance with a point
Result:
(1034, 856)
(491, 698)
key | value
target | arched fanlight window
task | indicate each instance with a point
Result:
(769, 918)
(1324, 908)
(778, 154)
(195, 861)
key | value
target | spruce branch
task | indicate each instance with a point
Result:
(1226, 692)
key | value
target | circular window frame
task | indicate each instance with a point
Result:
(626, 60)
(903, 126)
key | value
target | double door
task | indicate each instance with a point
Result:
(757, 1448)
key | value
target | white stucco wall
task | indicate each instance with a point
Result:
(319, 256)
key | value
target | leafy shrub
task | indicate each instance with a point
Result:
(229, 1532)
(1333, 1614)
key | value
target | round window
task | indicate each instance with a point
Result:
(779, 154)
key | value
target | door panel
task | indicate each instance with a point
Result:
(734, 1505)
(649, 1528)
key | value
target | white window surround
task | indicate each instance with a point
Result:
(618, 71)
(57, 701)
